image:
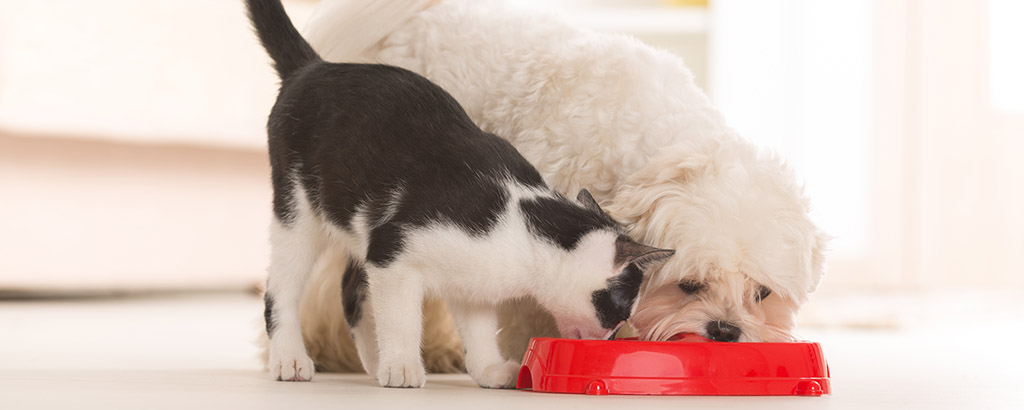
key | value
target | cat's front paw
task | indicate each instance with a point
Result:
(408, 373)
(498, 375)
(291, 366)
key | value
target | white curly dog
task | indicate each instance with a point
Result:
(606, 113)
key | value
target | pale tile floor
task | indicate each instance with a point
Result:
(197, 351)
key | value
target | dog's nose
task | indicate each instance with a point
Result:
(723, 331)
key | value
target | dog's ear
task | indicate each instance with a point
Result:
(818, 252)
(628, 251)
(587, 200)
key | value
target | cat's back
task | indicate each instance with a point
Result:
(357, 131)
(376, 99)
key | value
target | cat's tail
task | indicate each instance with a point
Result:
(345, 30)
(283, 42)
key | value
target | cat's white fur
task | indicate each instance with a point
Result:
(294, 254)
(607, 113)
(473, 274)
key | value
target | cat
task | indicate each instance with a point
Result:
(378, 162)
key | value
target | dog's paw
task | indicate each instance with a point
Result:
(291, 367)
(498, 375)
(407, 373)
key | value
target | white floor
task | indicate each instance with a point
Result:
(196, 352)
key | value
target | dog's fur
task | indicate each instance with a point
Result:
(626, 120)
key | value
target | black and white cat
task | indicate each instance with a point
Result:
(382, 164)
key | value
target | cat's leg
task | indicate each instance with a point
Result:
(294, 252)
(478, 327)
(397, 302)
(359, 314)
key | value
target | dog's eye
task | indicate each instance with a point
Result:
(762, 293)
(691, 286)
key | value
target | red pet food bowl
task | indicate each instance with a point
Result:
(689, 365)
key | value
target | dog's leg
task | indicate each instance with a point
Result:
(294, 251)
(519, 321)
(324, 329)
(365, 337)
(397, 303)
(478, 327)
(442, 347)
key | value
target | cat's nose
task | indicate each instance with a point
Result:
(723, 331)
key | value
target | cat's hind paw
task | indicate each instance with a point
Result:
(409, 373)
(498, 375)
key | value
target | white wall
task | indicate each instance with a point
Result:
(102, 216)
(794, 76)
(111, 112)
(153, 70)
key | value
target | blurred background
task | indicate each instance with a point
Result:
(132, 152)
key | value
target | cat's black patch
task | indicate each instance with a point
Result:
(353, 292)
(268, 314)
(352, 133)
(615, 303)
(384, 245)
(561, 221)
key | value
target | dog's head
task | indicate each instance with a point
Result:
(747, 254)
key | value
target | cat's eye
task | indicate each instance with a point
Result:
(691, 286)
(763, 292)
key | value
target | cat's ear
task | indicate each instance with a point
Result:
(628, 251)
(587, 200)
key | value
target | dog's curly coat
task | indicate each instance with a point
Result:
(613, 115)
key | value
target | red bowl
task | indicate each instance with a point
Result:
(689, 365)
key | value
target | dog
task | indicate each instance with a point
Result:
(612, 114)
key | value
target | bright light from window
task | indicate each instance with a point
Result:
(1007, 60)
(795, 76)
